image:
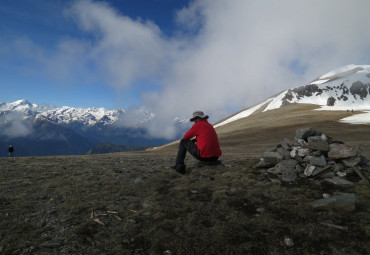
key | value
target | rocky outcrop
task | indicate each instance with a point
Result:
(330, 101)
(313, 154)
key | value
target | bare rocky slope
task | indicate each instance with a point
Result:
(134, 203)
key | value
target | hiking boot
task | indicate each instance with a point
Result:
(179, 168)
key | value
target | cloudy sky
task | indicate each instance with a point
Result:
(174, 56)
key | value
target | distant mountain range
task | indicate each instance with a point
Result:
(47, 130)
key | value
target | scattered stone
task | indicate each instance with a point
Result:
(341, 174)
(317, 143)
(316, 161)
(316, 155)
(364, 179)
(340, 182)
(303, 152)
(273, 170)
(303, 133)
(325, 195)
(345, 202)
(286, 165)
(294, 152)
(309, 170)
(51, 244)
(289, 176)
(261, 210)
(272, 157)
(288, 170)
(288, 241)
(288, 143)
(319, 171)
(227, 174)
(351, 162)
(284, 152)
(340, 151)
(138, 180)
(263, 164)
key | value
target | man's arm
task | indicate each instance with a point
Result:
(191, 133)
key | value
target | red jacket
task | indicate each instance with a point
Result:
(207, 140)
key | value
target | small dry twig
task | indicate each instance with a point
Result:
(98, 221)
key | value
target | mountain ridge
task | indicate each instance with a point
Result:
(345, 88)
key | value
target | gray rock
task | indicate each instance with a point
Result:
(317, 143)
(289, 176)
(286, 165)
(303, 133)
(273, 170)
(303, 152)
(330, 101)
(272, 157)
(316, 161)
(298, 159)
(338, 167)
(319, 170)
(340, 182)
(287, 168)
(263, 164)
(299, 168)
(301, 142)
(341, 151)
(309, 170)
(345, 202)
(316, 153)
(284, 152)
(351, 162)
(51, 244)
(288, 143)
(294, 152)
(288, 241)
(327, 175)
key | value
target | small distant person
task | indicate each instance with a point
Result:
(11, 151)
(205, 147)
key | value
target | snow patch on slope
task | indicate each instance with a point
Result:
(243, 114)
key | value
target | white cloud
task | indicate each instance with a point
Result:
(227, 52)
(246, 51)
(243, 51)
(14, 124)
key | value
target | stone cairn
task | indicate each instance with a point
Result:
(315, 155)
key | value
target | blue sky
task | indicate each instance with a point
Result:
(174, 56)
(46, 24)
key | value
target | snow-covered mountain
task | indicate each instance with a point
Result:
(65, 114)
(48, 130)
(345, 88)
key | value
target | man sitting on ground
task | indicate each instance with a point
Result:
(205, 147)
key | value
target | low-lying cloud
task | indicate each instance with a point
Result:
(15, 124)
(225, 56)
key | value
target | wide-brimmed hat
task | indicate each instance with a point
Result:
(199, 114)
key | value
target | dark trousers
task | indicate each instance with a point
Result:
(191, 147)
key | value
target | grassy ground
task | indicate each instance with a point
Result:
(133, 203)
(146, 208)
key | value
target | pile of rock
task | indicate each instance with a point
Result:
(316, 155)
